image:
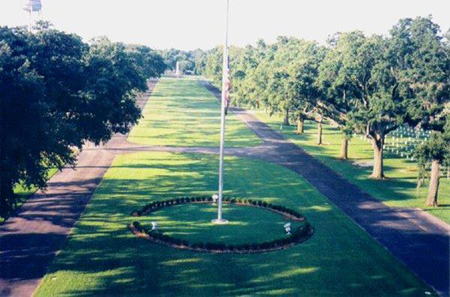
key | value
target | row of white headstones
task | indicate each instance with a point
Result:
(404, 141)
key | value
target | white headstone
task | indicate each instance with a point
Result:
(287, 228)
(215, 197)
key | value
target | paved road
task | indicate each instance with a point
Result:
(30, 240)
(417, 238)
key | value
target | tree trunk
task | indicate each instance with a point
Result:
(6, 197)
(378, 170)
(432, 199)
(300, 125)
(286, 118)
(319, 133)
(344, 148)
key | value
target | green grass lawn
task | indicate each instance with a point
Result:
(102, 257)
(181, 112)
(192, 222)
(400, 189)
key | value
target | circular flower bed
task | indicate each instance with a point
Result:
(297, 236)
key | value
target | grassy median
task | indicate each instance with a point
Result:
(181, 112)
(102, 257)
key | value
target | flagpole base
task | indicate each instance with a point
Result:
(219, 221)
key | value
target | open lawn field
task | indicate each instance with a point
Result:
(399, 189)
(183, 113)
(102, 257)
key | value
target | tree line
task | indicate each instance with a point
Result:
(58, 92)
(188, 61)
(367, 85)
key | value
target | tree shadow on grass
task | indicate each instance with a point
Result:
(389, 189)
(102, 248)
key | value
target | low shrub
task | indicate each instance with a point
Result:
(253, 246)
(298, 235)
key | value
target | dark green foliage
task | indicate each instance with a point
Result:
(437, 147)
(57, 93)
(147, 61)
(426, 83)
(368, 85)
(189, 62)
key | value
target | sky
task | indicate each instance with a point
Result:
(191, 24)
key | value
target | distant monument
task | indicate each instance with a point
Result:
(177, 69)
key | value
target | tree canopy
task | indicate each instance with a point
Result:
(368, 85)
(56, 93)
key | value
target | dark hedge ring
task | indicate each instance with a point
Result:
(299, 235)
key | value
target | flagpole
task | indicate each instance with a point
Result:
(219, 219)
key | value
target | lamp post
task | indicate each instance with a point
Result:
(220, 220)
